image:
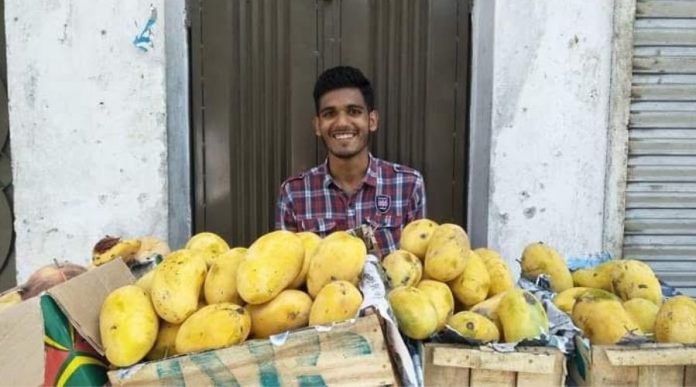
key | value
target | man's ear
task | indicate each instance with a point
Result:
(373, 120)
(315, 122)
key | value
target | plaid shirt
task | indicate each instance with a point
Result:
(390, 197)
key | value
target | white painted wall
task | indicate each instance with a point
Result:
(548, 124)
(87, 125)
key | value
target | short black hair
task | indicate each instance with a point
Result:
(340, 77)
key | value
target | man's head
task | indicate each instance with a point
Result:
(341, 77)
(345, 113)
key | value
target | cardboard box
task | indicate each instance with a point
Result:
(34, 332)
(458, 365)
(650, 364)
(351, 352)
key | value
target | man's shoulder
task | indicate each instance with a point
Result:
(396, 168)
(314, 173)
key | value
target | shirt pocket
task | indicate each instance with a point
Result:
(320, 226)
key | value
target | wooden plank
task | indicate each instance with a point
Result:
(556, 378)
(662, 8)
(481, 377)
(662, 120)
(435, 375)
(690, 376)
(664, 37)
(664, 64)
(652, 355)
(603, 373)
(660, 376)
(483, 358)
(663, 92)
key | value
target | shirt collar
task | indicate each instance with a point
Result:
(369, 179)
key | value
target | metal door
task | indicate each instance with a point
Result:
(254, 64)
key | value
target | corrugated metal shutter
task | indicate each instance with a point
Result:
(660, 224)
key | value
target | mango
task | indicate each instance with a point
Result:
(176, 285)
(489, 309)
(676, 321)
(598, 277)
(213, 326)
(447, 252)
(340, 256)
(643, 313)
(128, 325)
(402, 269)
(522, 316)
(441, 297)
(415, 313)
(539, 258)
(565, 300)
(472, 285)
(498, 271)
(145, 282)
(272, 263)
(416, 236)
(208, 244)
(221, 281)
(337, 301)
(165, 344)
(635, 279)
(289, 310)
(603, 319)
(310, 242)
(474, 326)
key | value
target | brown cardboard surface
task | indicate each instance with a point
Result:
(81, 298)
(22, 343)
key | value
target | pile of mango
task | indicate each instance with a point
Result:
(437, 280)
(619, 299)
(208, 295)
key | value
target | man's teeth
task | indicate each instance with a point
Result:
(344, 136)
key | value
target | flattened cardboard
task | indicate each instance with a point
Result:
(22, 343)
(81, 298)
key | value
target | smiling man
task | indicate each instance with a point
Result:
(351, 187)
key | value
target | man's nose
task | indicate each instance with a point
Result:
(342, 118)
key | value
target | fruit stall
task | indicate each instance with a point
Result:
(298, 309)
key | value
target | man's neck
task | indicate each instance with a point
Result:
(348, 174)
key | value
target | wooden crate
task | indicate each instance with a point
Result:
(637, 365)
(349, 353)
(457, 365)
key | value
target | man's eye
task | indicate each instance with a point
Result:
(354, 112)
(328, 114)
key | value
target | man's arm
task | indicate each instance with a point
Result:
(285, 218)
(417, 204)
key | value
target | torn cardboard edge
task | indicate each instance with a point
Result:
(22, 359)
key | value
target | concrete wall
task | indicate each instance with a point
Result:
(87, 100)
(548, 89)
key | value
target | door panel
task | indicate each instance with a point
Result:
(255, 63)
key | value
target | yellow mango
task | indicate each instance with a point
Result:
(221, 281)
(447, 252)
(498, 271)
(310, 242)
(415, 313)
(176, 285)
(165, 344)
(208, 244)
(337, 301)
(213, 326)
(635, 279)
(474, 326)
(603, 319)
(145, 282)
(110, 248)
(441, 297)
(340, 256)
(288, 311)
(598, 277)
(128, 325)
(676, 321)
(416, 236)
(565, 300)
(539, 258)
(489, 309)
(643, 313)
(471, 286)
(402, 268)
(522, 316)
(272, 263)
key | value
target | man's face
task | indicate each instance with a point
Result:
(344, 123)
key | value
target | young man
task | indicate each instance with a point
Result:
(351, 187)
